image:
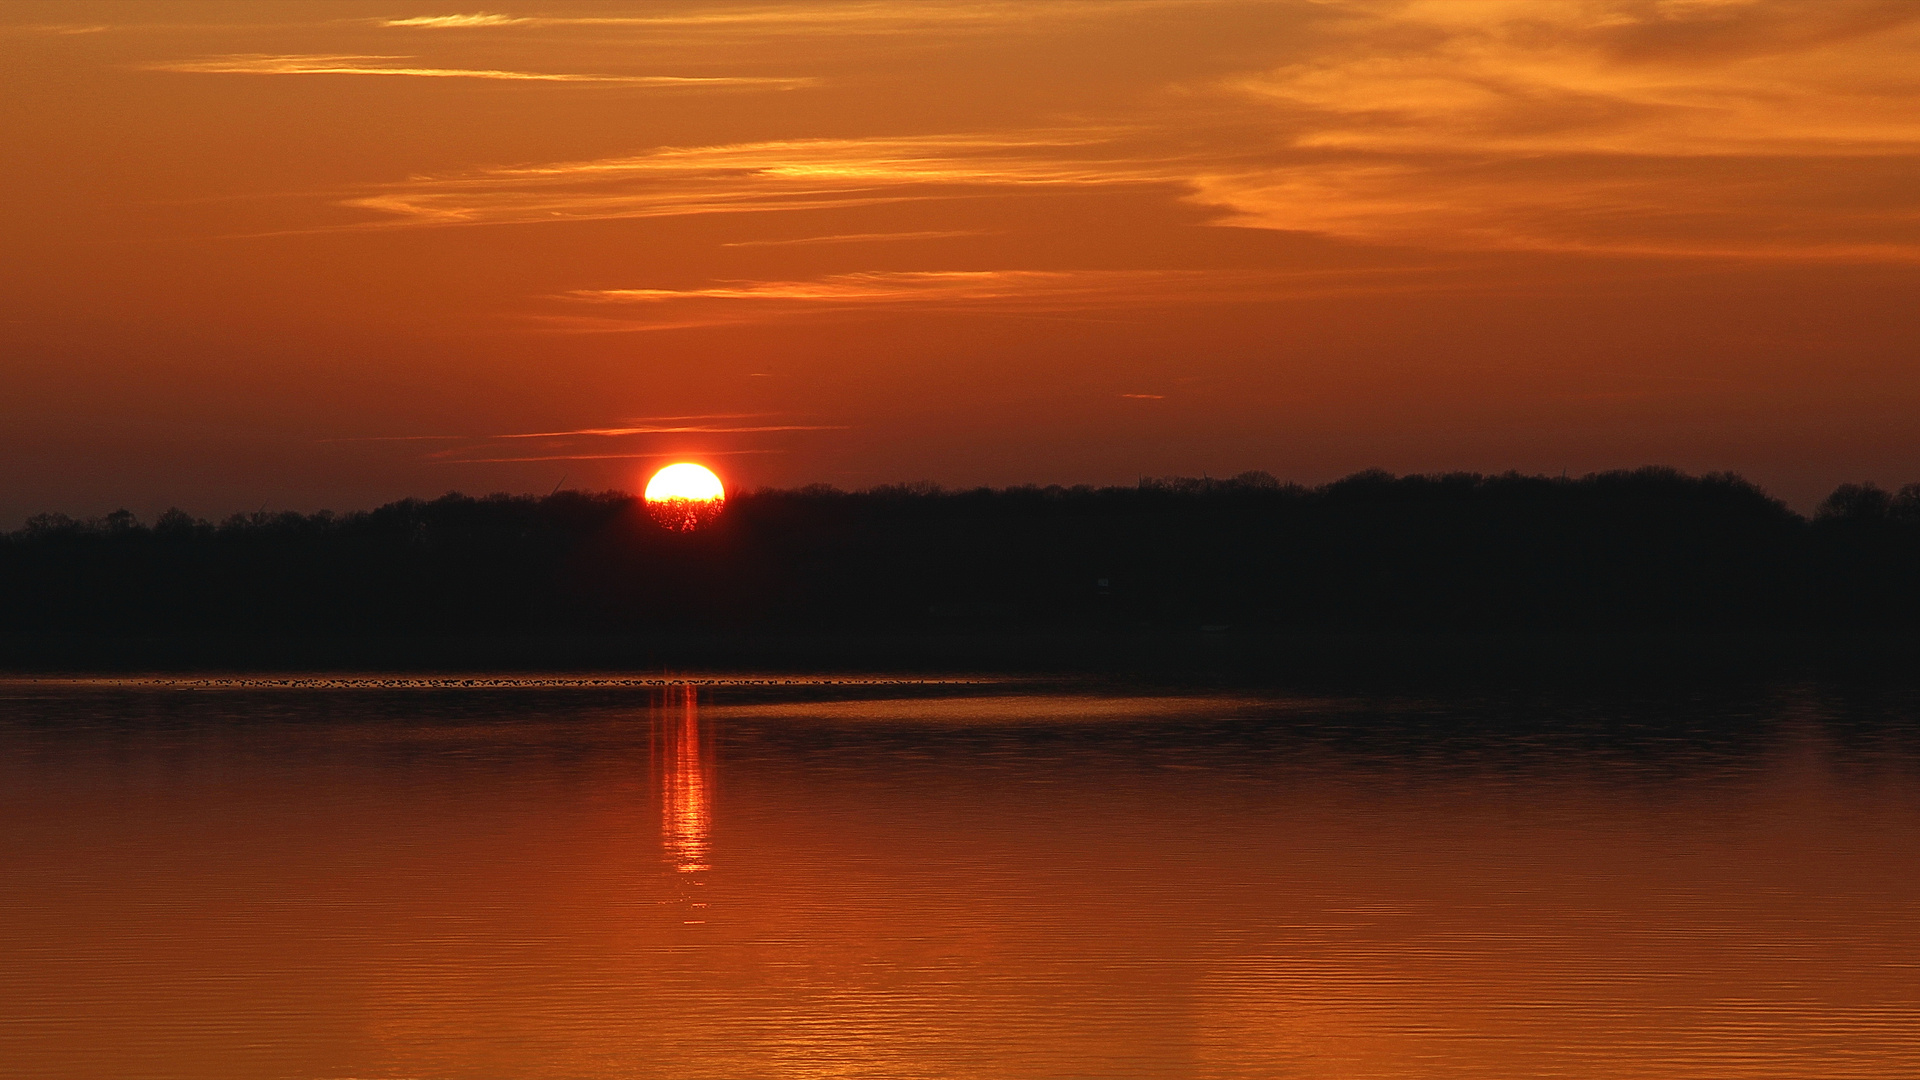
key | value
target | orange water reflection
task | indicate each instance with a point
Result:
(686, 780)
(502, 884)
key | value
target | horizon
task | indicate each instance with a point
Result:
(336, 254)
(1894, 498)
(147, 511)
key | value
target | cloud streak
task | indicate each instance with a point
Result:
(264, 64)
(458, 22)
(950, 290)
(763, 177)
(566, 444)
(812, 19)
(59, 29)
(859, 238)
(924, 286)
(1034, 293)
(1047, 289)
(617, 432)
(589, 457)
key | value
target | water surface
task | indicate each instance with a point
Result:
(620, 877)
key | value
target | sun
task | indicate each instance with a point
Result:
(685, 496)
(685, 481)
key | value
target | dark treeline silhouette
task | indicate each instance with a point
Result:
(1647, 550)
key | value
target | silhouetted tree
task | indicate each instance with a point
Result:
(1631, 550)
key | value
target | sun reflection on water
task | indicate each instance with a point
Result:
(686, 796)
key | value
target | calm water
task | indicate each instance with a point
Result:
(1004, 880)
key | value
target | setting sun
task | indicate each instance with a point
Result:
(685, 495)
(685, 481)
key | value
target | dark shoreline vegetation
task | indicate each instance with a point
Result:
(840, 579)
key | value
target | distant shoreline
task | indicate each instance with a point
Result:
(1244, 579)
(1228, 657)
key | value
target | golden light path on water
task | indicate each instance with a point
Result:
(685, 810)
(586, 876)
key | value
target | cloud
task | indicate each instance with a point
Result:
(1040, 289)
(1722, 129)
(1029, 293)
(616, 432)
(263, 64)
(699, 416)
(1047, 289)
(656, 425)
(764, 177)
(810, 19)
(478, 18)
(59, 29)
(1586, 77)
(870, 287)
(609, 432)
(858, 238)
(587, 457)
(1717, 128)
(566, 445)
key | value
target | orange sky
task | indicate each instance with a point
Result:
(330, 254)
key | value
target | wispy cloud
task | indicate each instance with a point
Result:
(760, 177)
(1031, 293)
(1044, 288)
(455, 22)
(590, 457)
(263, 64)
(696, 416)
(616, 432)
(647, 425)
(59, 29)
(797, 19)
(859, 238)
(1039, 289)
(578, 444)
(1723, 129)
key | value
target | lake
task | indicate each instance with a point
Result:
(567, 876)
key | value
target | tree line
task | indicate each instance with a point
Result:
(1652, 549)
